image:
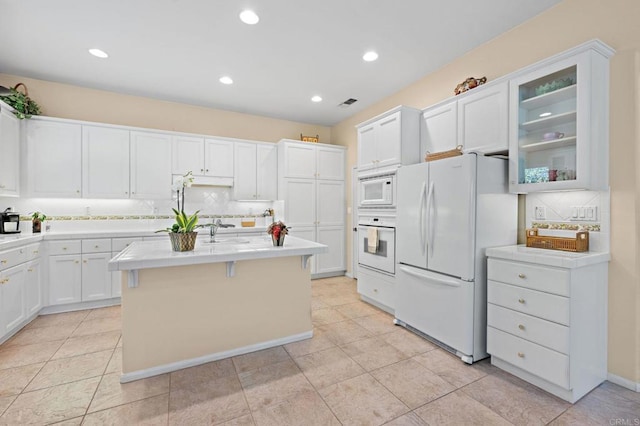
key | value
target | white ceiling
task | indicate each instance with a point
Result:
(177, 50)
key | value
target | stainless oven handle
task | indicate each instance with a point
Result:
(423, 193)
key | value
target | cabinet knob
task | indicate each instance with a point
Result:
(521, 327)
(523, 276)
(3, 261)
(133, 192)
(521, 354)
(521, 301)
(201, 170)
(21, 251)
(77, 261)
(77, 191)
(29, 270)
(2, 186)
(207, 170)
(126, 192)
(64, 248)
(97, 246)
(84, 261)
(375, 290)
(36, 252)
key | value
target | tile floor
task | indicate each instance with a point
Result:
(358, 369)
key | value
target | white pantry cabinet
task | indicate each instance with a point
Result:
(53, 158)
(559, 116)
(150, 165)
(477, 120)
(315, 206)
(9, 152)
(255, 171)
(202, 156)
(105, 162)
(389, 139)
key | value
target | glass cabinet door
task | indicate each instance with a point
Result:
(558, 125)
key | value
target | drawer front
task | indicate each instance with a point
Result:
(99, 245)
(119, 244)
(11, 258)
(550, 280)
(546, 333)
(33, 251)
(543, 305)
(65, 247)
(545, 363)
(377, 289)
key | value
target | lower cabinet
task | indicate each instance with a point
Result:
(96, 278)
(33, 287)
(334, 260)
(306, 233)
(12, 306)
(65, 279)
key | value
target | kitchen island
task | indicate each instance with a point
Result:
(240, 295)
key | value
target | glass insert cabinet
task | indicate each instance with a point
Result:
(558, 130)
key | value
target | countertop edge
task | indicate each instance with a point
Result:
(545, 257)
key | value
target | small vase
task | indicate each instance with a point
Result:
(183, 241)
(278, 241)
(36, 226)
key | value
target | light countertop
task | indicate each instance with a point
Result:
(546, 257)
(9, 241)
(151, 254)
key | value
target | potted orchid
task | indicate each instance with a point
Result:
(182, 233)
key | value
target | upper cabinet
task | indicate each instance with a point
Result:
(54, 159)
(105, 162)
(202, 156)
(255, 171)
(150, 165)
(389, 140)
(477, 120)
(310, 160)
(9, 152)
(559, 122)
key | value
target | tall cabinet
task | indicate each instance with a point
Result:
(311, 183)
(9, 152)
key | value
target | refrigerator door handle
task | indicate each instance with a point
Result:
(423, 193)
(450, 282)
(430, 233)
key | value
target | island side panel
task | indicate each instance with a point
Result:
(185, 312)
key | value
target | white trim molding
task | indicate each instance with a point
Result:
(625, 383)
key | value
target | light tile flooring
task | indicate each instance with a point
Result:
(358, 369)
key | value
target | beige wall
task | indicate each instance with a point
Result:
(568, 24)
(79, 103)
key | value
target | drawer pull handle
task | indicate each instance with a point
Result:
(521, 327)
(36, 252)
(523, 276)
(521, 301)
(375, 290)
(521, 354)
(64, 248)
(3, 261)
(29, 270)
(97, 246)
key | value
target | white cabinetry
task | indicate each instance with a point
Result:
(389, 139)
(548, 325)
(150, 165)
(311, 183)
(477, 120)
(255, 171)
(53, 158)
(65, 279)
(559, 133)
(33, 287)
(12, 298)
(96, 278)
(105, 162)
(202, 156)
(9, 152)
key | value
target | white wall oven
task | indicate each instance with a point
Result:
(377, 191)
(377, 243)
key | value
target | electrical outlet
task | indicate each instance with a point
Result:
(540, 212)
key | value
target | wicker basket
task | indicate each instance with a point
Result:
(578, 244)
(443, 154)
(183, 241)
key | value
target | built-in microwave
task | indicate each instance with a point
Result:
(378, 191)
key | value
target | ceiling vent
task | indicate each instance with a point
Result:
(347, 103)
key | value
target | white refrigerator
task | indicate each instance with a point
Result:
(449, 212)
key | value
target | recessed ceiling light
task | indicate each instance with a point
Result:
(545, 114)
(316, 98)
(249, 17)
(226, 80)
(98, 53)
(370, 56)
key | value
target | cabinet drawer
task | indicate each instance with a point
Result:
(12, 258)
(32, 251)
(546, 333)
(376, 288)
(119, 244)
(550, 280)
(65, 247)
(545, 363)
(544, 305)
(99, 245)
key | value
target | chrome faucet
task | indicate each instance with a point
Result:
(213, 228)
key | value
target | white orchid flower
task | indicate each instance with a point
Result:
(178, 184)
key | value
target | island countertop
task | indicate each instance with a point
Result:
(152, 254)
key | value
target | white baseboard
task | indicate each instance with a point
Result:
(625, 383)
(174, 366)
(69, 307)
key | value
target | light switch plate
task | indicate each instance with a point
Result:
(540, 212)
